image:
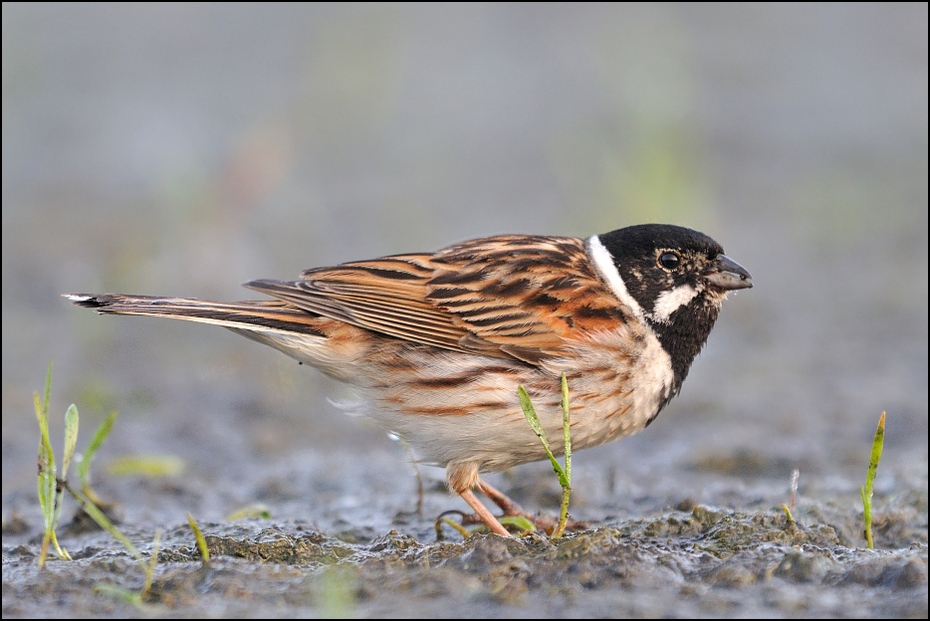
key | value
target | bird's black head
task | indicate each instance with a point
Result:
(673, 278)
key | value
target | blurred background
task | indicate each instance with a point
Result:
(182, 149)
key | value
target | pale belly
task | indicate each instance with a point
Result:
(476, 416)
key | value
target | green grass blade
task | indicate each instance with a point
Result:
(201, 541)
(564, 474)
(523, 523)
(566, 431)
(255, 510)
(866, 491)
(150, 568)
(71, 436)
(529, 412)
(100, 436)
(47, 474)
(46, 486)
(566, 478)
(464, 532)
(61, 552)
(104, 522)
(149, 466)
(47, 470)
(533, 419)
(42, 487)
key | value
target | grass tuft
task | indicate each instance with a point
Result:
(51, 487)
(877, 444)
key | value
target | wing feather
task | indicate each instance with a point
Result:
(510, 296)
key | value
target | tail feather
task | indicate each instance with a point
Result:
(248, 315)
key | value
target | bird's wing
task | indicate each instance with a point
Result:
(386, 295)
(507, 296)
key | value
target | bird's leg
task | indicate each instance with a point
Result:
(511, 508)
(463, 478)
(483, 514)
(508, 506)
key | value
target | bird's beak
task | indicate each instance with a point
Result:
(727, 275)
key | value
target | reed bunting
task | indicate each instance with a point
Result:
(438, 343)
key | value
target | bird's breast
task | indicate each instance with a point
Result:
(453, 408)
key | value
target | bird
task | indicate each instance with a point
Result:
(437, 344)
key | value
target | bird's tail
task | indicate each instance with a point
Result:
(257, 316)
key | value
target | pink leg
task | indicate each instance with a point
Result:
(510, 508)
(498, 497)
(482, 512)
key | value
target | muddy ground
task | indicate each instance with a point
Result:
(184, 149)
(684, 561)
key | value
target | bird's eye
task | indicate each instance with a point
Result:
(669, 260)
